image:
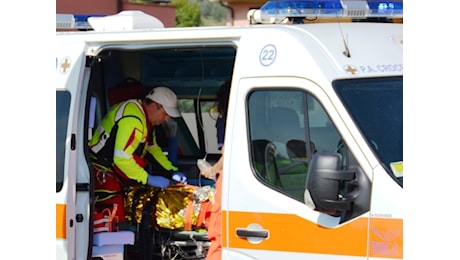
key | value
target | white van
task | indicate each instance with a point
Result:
(336, 86)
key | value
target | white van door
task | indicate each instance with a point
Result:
(63, 99)
(72, 174)
(264, 214)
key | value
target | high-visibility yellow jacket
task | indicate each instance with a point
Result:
(125, 131)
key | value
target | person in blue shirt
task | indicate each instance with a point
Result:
(222, 103)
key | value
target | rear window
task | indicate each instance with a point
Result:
(62, 118)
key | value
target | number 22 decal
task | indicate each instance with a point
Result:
(267, 55)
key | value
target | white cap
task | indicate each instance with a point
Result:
(165, 97)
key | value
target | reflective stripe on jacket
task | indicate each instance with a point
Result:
(132, 133)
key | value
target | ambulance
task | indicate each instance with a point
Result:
(313, 165)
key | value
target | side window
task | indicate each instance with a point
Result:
(206, 122)
(209, 117)
(62, 118)
(286, 128)
(188, 134)
(193, 128)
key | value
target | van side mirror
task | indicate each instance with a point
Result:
(326, 184)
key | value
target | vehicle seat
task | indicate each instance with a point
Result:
(297, 149)
(290, 165)
(293, 172)
(283, 125)
(264, 160)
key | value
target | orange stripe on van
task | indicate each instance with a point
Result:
(60, 221)
(291, 233)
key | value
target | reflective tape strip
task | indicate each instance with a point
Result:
(122, 154)
(101, 229)
(100, 144)
(100, 221)
(120, 111)
(104, 135)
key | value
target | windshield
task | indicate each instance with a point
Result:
(376, 105)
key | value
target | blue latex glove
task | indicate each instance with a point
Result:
(179, 177)
(158, 181)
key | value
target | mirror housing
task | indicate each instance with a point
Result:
(327, 185)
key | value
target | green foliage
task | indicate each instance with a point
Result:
(193, 13)
(187, 105)
(188, 13)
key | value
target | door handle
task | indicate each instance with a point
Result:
(242, 232)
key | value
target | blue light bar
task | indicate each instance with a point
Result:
(385, 8)
(81, 20)
(75, 21)
(277, 10)
(289, 8)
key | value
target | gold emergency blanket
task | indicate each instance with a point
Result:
(176, 207)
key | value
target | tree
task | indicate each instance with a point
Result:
(188, 14)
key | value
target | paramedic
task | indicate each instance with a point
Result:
(214, 172)
(125, 142)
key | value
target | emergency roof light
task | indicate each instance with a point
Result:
(65, 21)
(74, 21)
(277, 10)
(124, 20)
